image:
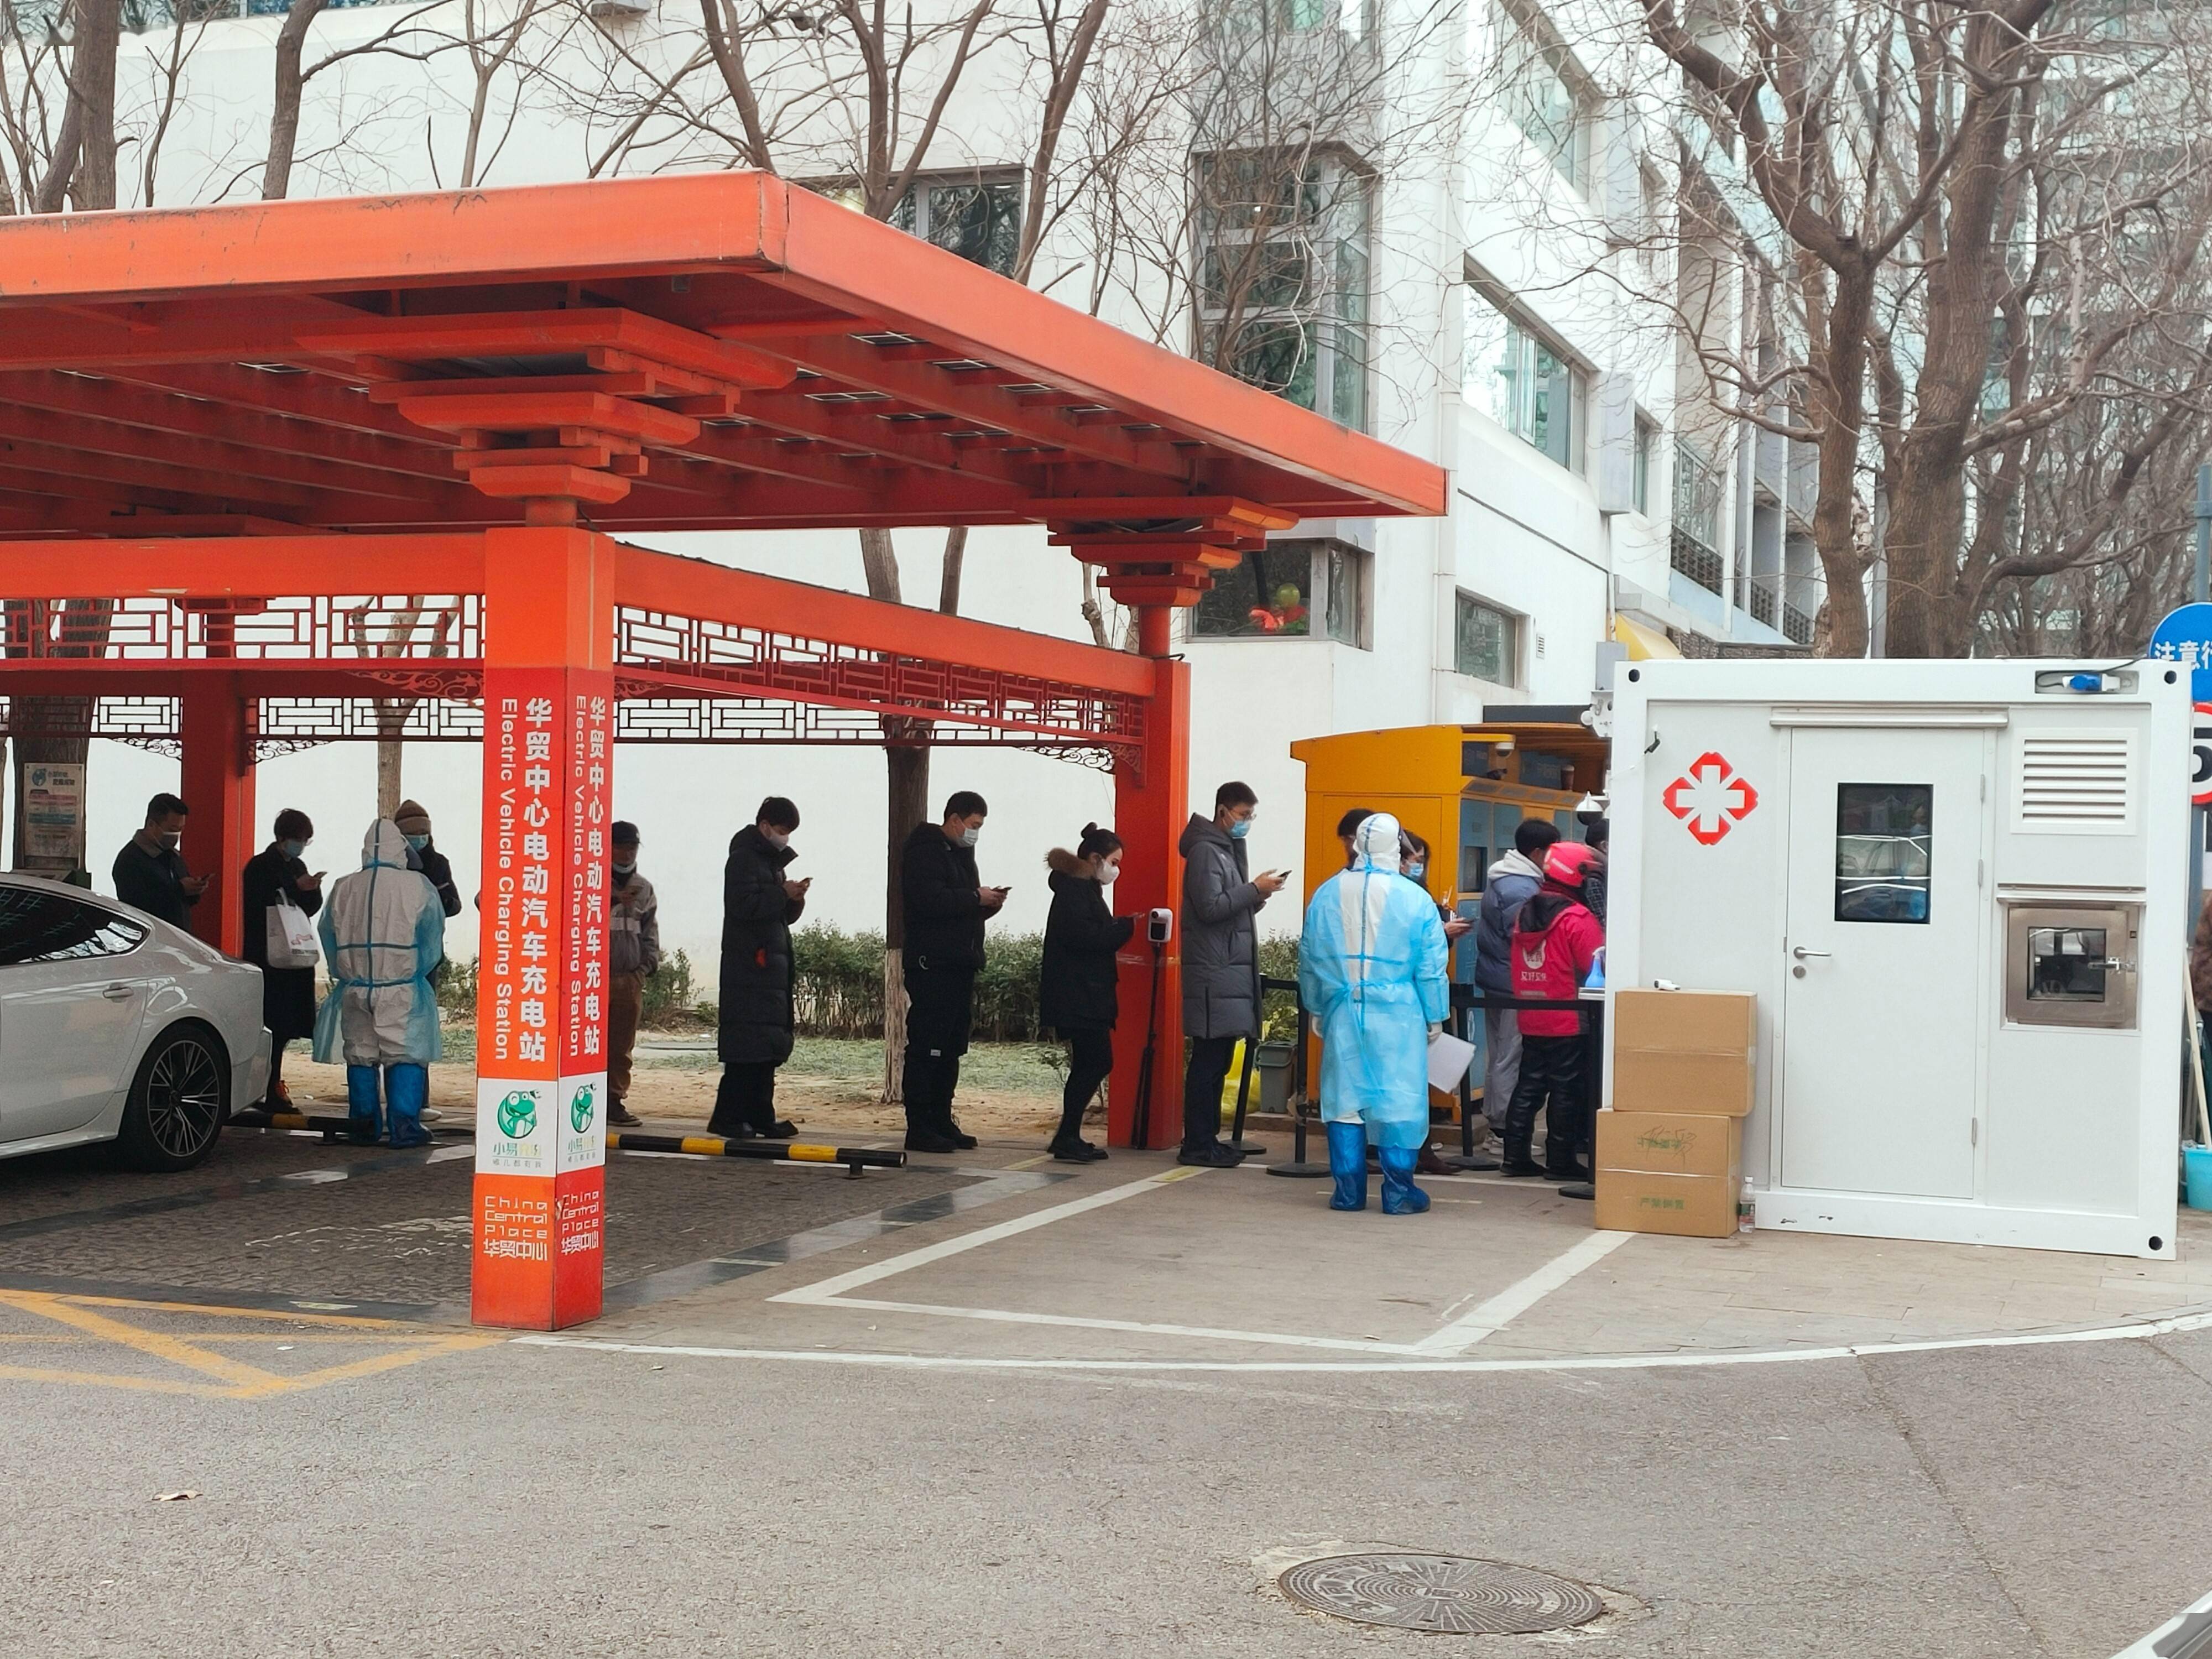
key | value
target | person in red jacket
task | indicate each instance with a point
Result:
(1555, 939)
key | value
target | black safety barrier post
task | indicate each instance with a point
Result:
(1244, 1087)
(1465, 1007)
(1297, 1168)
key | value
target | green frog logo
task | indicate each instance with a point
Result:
(580, 1107)
(518, 1113)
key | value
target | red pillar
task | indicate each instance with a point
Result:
(541, 1069)
(1150, 803)
(217, 733)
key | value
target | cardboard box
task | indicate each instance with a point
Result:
(1671, 1143)
(1684, 1051)
(1686, 1205)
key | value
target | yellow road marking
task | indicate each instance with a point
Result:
(1030, 1163)
(360, 1320)
(101, 1380)
(1184, 1173)
(158, 1344)
(227, 1378)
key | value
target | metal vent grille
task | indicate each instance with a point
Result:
(2077, 782)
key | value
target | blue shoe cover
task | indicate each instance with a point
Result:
(1347, 1162)
(1400, 1195)
(362, 1101)
(406, 1092)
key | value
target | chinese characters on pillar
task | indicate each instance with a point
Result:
(541, 1081)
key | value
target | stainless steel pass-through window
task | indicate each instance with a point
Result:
(1885, 834)
(2066, 964)
(2070, 964)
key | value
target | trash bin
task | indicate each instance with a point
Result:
(1273, 1064)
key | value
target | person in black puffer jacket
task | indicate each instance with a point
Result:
(759, 904)
(943, 907)
(1076, 988)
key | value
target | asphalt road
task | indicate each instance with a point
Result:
(516, 1499)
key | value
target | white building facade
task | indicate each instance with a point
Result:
(1505, 294)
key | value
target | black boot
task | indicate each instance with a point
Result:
(1518, 1165)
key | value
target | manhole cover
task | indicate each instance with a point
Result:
(1440, 1593)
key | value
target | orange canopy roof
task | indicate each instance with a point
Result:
(702, 352)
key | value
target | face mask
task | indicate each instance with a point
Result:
(291, 849)
(1109, 873)
(778, 839)
(418, 842)
(623, 871)
(169, 839)
(1240, 827)
(1416, 871)
(970, 836)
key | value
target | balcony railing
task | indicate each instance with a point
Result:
(1700, 491)
(1761, 598)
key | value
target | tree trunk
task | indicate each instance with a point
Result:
(66, 721)
(908, 774)
(284, 105)
(391, 752)
(1836, 404)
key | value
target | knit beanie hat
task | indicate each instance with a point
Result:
(411, 818)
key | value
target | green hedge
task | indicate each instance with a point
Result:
(840, 986)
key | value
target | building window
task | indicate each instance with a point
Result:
(1546, 96)
(1523, 383)
(1700, 495)
(1353, 19)
(1486, 642)
(1283, 278)
(1639, 483)
(1305, 588)
(980, 219)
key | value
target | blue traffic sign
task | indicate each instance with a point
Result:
(2183, 636)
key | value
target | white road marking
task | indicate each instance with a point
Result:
(1004, 1317)
(1509, 1304)
(2185, 1322)
(831, 1290)
(1454, 1339)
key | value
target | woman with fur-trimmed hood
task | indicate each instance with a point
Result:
(1075, 993)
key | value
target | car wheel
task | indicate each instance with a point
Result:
(178, 1101)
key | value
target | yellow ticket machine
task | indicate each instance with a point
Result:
(1463, 789)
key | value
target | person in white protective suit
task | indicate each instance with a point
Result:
(1371, 973)
(383, 930)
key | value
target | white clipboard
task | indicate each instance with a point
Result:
(1450, 1057)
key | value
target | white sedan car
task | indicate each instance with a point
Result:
(114, 1026)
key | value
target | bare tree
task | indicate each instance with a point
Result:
(1942, 177)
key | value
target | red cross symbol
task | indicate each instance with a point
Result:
(1709, 798)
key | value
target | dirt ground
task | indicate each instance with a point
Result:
(683, 1094)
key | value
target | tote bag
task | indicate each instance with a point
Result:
(291, 936)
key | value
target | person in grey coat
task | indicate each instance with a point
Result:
(1220, 961)
(1510, 883)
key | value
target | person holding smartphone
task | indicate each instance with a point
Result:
(944, 905)
(278, 875)
(1220, 963)
(758, 1013)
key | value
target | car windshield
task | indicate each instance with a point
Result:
(42, 927)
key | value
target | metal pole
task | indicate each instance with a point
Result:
(2200, 590)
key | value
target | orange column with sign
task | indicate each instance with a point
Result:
(217, 735)
(539, 1206)
(1151, 802)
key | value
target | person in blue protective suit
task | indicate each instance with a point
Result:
(1371, 972)
(383, 932)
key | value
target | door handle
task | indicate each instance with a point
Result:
(1801, 953)
(117, 993)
